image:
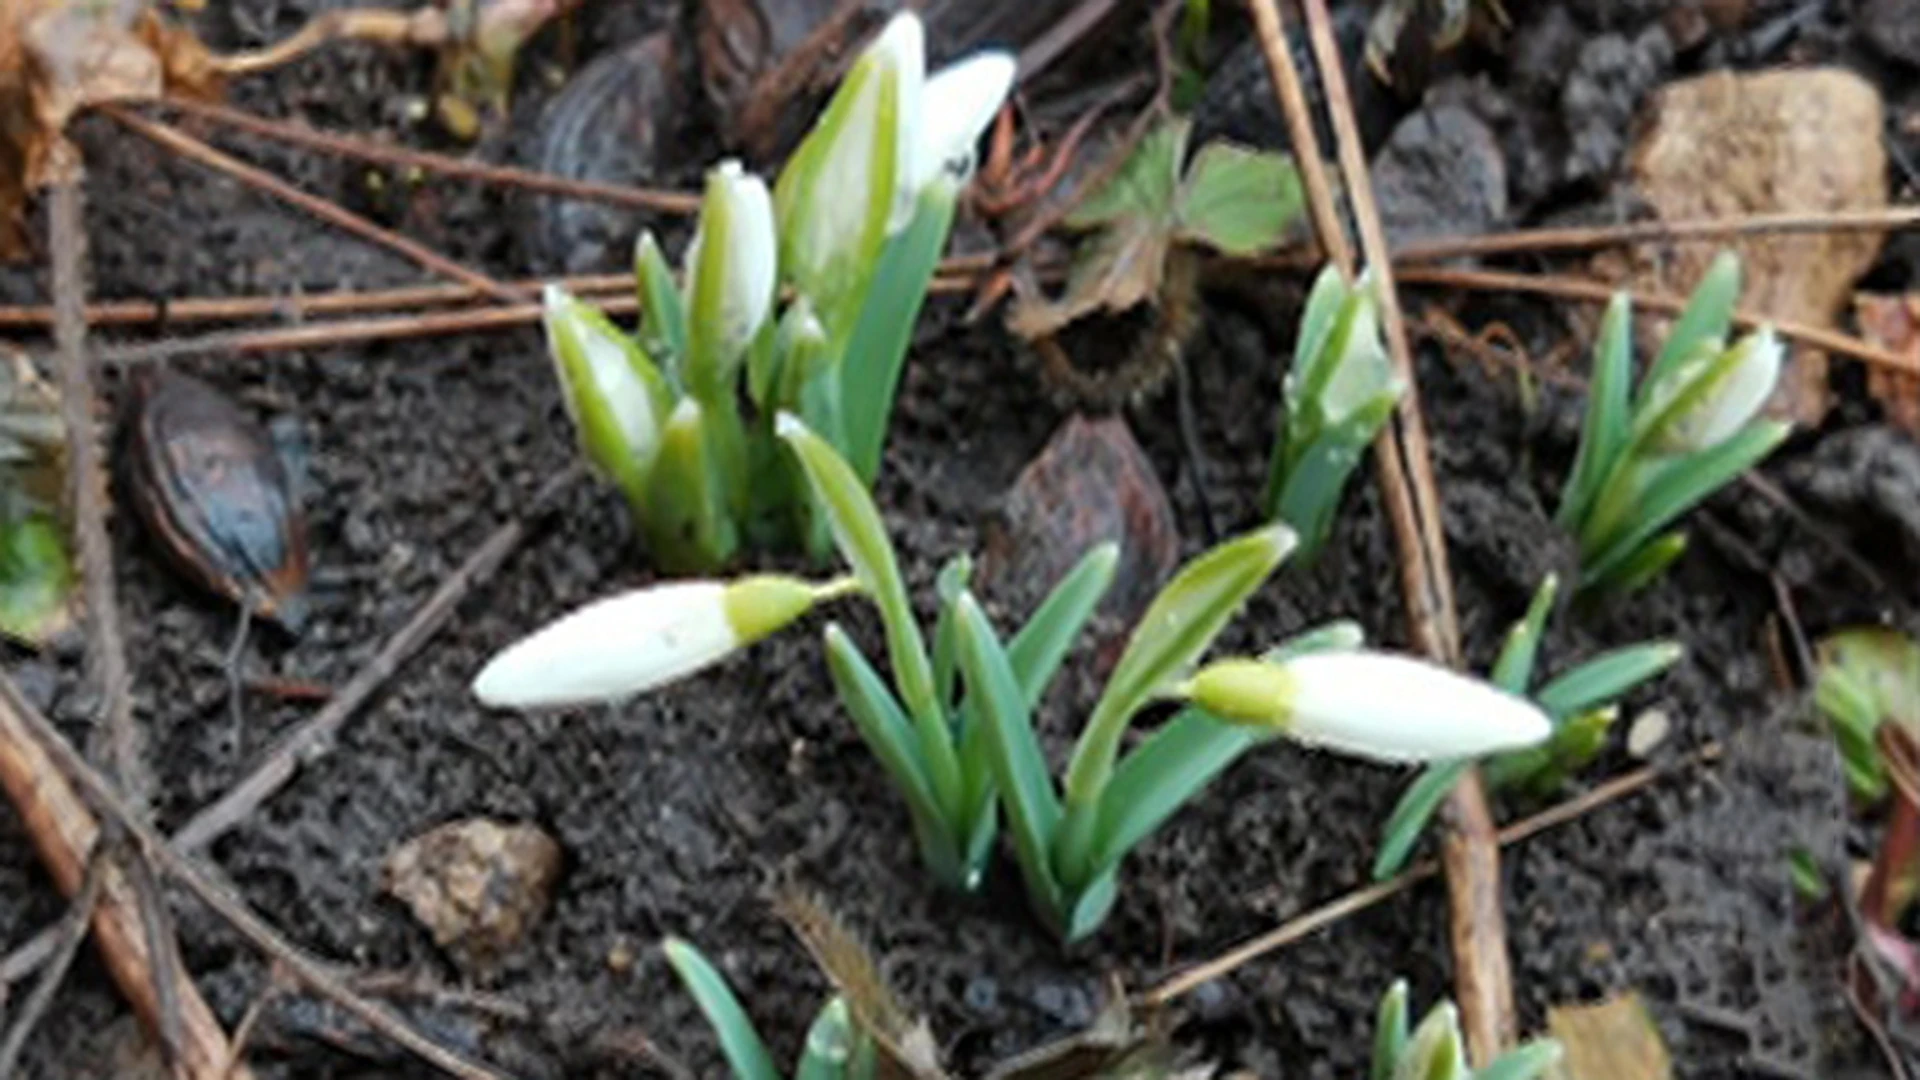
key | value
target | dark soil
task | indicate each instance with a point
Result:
(676, 813)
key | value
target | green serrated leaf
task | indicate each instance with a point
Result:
(740, 1042)
(1410, 815)
(1238, 200)
(1606, 677)
(1146, 186)
(1019, 768)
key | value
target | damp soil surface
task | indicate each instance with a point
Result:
(676, 814)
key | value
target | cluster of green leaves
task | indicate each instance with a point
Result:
(1649, 455)
(1581, 702)
(1338, 393)
(1435, 1049)
(1229, 198)
(37, 575)
(955, 731)
(1868, 677)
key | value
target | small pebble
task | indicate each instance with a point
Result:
(478, 885)
(1647, 732)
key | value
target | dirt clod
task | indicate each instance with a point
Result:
(1723, 145)
(1893, 26)
(478, 885)
(1440, 174)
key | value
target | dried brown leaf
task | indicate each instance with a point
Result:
(1892, 322)
(906, 1042)
(1611, 1040)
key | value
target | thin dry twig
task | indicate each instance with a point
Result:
(69, 933)
(332, 213)
(1342, 907)
(1571, 288)
(1581, 238)
(361, 149)
(27, 734)
(1291, 90)
(65, 834)
(114, 731)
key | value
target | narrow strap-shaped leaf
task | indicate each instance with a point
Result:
(952, 580)
(686, 517)
(740, 1042)
(1410, 815)
(1160, 775)
(663, 315)
(1707, 317)
(1327, 637)
(1020, 769)
(1681, 486)
(1529, 1061)
(1177, 628)
(881, 723)
(1038, 649)
(1606, 677)
(1648, 563)
(870, 369)
(861, 536)
(1513, 669)
(1603, 434)
(1390, 1031)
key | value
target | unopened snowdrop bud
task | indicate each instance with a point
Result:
(1376, 705)
(956, 106)
(1741, 380)
(612, 390)
(731, 266)
(1436, 1051)
(637, 641)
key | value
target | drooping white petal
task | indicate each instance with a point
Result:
(613, 648)
(1742, 392)
(957, 105)
(1396, 708)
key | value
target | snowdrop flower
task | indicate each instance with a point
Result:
(643, 639)
(614, 394)
(1377, 705)
(1742, 379)
(732, 262)
(956, 106)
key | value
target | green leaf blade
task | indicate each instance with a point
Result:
(1169, 768)
(740, 1041)
(1606, 677)
(1410, 815)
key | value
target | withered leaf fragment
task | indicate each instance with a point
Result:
(207, 481)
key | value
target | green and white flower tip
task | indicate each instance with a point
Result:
(1436, 1050)
(957, 104)
(1743, 379)
(599, 376)
(1370, 704)
(640, 640)
(736, 293)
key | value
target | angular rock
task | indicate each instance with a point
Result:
(1803, 140)
(477, 885)
(1092, 483)
(1441, 173)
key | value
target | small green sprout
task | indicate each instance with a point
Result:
(1580, 701)
(1435, 1050)
(837, 1048)
(854, 228)
(1339, 392)
(1868, 677)
(1650, 455)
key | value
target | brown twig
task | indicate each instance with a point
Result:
(70, 932)
(1289, 88)
(114, 731)
(1569, 288)
(194, 150)
(1310, 922)
(27, 737)
(65, 834)
(349, 146)
(427, 26)
(1600, 236)
(322, 335)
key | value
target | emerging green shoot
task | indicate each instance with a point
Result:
(1581, 703)
(836, 1047)
(1649, 455)
(1435, 1049)
(1868, 677)
(1339, 392)
(854, 226)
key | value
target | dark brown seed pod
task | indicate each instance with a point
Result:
(206, 480)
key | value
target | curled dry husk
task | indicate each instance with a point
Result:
(206, 479)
